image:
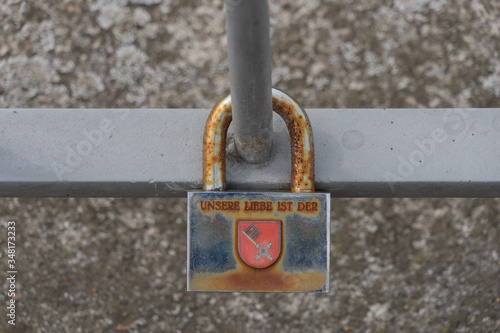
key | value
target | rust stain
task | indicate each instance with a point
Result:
(253, 279)
(301, 142)
(214, 146)
(302, 145)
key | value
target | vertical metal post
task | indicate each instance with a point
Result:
(247, 23)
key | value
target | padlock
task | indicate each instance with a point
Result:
(259, 241)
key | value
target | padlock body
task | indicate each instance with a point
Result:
(258, 241)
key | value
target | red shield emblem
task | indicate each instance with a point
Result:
(259, 242)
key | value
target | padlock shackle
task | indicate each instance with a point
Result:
(301, 142)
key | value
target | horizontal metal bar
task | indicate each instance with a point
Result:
(157, 152)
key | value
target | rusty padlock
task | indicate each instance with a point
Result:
(259, 241)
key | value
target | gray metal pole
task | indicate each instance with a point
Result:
(250, 74)
(156, 152)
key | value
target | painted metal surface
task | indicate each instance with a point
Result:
(215, 222)
(157, 153)
(249, 51)
(214, 146)
(301, 138)
(259, 241)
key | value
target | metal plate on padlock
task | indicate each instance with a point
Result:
(258, 241)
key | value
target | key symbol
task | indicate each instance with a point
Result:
(252, 233)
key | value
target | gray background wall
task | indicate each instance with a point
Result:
(99, 265)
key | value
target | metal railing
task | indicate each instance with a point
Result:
(146, 153)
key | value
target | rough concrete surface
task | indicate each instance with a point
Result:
(107, 265)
